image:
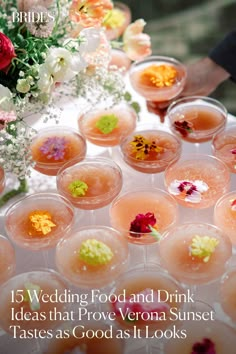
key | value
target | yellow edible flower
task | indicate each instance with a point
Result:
(114, 19)
(95, 253)
(203, 247)
(41, 221)
(143, 147)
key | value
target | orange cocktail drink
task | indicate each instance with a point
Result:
(106, 127)
(196, 119)
(150, 151)
(52, 147)
(196, 180)
(90, 184)
(92, 257)
(39, 220)
(195, 253)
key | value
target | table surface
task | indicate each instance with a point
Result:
(27, 260)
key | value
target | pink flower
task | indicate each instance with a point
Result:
(142, 223)
(89, 13)
(7, 51)
(137, 45)
(6, 117)
(233, 205)
(192, 190)
(233, 151)
(204, 347)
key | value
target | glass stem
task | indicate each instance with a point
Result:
(45, 258)
(145, 255)
(152, 182)
(23, 188)
(92, 217)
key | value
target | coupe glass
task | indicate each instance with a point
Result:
(17, 296)
(160, 209)
(144, 294)
(196, 119)
(80, 340)
(197, 181)
(7, 259)
(101, 181)
(82, 272)
(224, 147)
(159, 80)
(184, 252)
(225, 215)
(150, 151)
(106, 127)
(53, 146)
(227, 292)
(117, 20)
(38, 221)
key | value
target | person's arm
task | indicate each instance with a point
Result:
(203, 77)
(224, 54)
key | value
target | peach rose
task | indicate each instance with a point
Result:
(137, 45)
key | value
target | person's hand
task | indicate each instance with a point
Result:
(203, 77)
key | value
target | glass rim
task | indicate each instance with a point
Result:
(53, 165)
(36, 270)
(158, 58)
(134, 192)
(137, 132)
(189, 223)
(226, 195)
(149, 268)
(185, 155)
(224, 131)
(86, 161)
(181, 101)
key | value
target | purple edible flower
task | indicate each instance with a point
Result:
(54, 148)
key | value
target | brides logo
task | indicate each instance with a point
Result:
(32, 17)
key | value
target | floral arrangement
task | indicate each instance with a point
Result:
(51, 49)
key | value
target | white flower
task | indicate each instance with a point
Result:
(6, 103)
(191, 189)
(62, 64)
(46, 80)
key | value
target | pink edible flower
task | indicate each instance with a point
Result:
(233, 205)
(206, 347)
(142, 223)
(191, 189)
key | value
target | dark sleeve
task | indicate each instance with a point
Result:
(224, 54)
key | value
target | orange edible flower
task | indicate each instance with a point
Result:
(159, 76)
(41, 221)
